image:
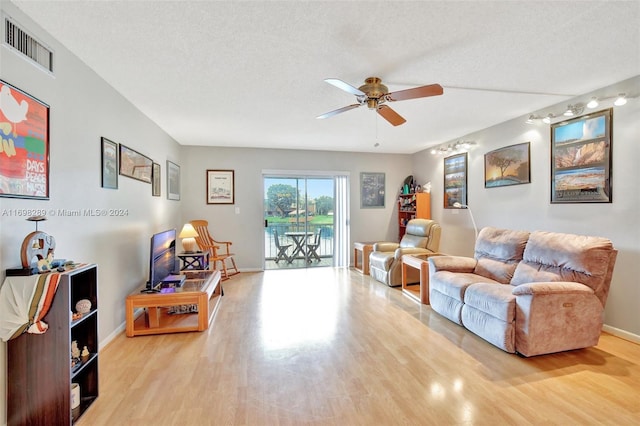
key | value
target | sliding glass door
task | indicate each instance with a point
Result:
(299, 221)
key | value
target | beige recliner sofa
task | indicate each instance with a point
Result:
(527, 293)
(422, 236)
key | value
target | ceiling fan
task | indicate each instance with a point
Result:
(374, 94)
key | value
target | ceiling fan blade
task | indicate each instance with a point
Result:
(416, 92)
(337, 111)
(390, 115)
(345, 86)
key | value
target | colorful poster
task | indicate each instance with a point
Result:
(24, 147)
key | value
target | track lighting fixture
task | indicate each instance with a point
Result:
(620, 100)
(452, 147)
(578, 108)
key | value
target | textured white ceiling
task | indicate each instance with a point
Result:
(250, 74)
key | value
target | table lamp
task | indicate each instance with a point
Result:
(188, 235)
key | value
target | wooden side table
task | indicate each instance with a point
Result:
(421, 263)
(194, 261)
(365, 249)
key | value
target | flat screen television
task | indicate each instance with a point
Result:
(162, 258)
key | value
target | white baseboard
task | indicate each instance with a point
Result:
(621, 333)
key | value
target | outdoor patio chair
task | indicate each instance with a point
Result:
(282, 248)
(312, 248)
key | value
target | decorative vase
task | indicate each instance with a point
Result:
(83, 306)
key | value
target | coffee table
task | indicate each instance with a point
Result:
(419, 291)
(201, 288)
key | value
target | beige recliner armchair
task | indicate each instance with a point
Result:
(422, 236)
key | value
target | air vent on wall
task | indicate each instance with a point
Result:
(27, 45)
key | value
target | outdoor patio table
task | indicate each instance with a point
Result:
(299, 238)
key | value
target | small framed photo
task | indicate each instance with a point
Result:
(173, 181)
(581, 159)
(455, 181)
(155, 183)
(109, 164)
(135, 165)
(220, 187)
(507, 166)
(372, 190)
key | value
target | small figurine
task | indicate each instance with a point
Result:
(85, 355)
(75, 353)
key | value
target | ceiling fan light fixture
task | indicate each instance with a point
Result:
(375, 95)
(531, 119)
(547, 119)
(593, 103)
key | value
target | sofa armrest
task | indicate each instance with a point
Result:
(385, 246)
(410, 250)
(558, 287)
(452, 264)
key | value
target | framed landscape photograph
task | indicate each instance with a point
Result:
(455, 180)
(109, 164)
(155, 182)
(135, 165)
(372, 190)
(507, 166)
(581, 159)
(220, 187)
(173, 181)
(24, 126)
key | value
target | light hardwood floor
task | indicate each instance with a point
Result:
(329, 346)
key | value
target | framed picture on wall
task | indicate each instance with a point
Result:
(581, 159)
(155, 180)
(109, 164)
(220, 187)
(455, 181)
(135, 165)
(24, 127)
(173, 181)
(372, 190)
(507, 166)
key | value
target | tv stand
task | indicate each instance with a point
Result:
(201, 288)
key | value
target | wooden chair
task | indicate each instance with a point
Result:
(312, 248)
(282, 248)
(219, 251)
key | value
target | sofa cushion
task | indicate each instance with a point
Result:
(551, 257)
(454, 284)
(498, 252)
(493, 299)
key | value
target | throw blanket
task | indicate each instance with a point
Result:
(24, 302)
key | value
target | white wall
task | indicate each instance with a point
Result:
(84, 108)
(246, 229)
(527, 206)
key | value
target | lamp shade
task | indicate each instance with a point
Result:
(188, 241)
(188, 231)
